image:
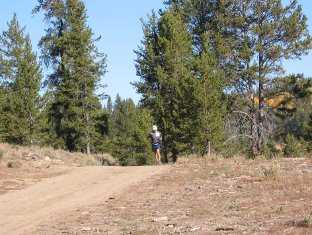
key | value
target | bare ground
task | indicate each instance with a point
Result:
(22, 211)
(197, 196)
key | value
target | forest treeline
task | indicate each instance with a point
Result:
(210, 75)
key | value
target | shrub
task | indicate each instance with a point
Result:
(106, 160)
(88, 161)
(272, 172)
(293, 148)
(271, 150)
(232, 149)
(306, 222)
(98, 160)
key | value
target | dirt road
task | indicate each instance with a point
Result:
(22, 211)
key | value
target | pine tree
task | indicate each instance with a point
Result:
(164, 63)
(69, 50)
(109, 105)
(20, 84)
(293, 116)
(102, 142)
(3, 93)
(130, 133)
(249, 38)
(208, 21)
(267, 33)
(123, 117)
(141, 138)
(47, 133)
(212, 101)
(148, 59)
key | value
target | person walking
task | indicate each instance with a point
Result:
(156, 141)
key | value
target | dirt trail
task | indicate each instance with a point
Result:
(22, 211)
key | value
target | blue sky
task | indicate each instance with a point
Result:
(118, 22)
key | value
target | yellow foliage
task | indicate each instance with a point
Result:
(278, 100)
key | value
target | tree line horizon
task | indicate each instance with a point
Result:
(210, 74)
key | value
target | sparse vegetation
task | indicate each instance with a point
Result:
(1, 154)
(271, 172)
(14, 164)
(271, 150)
(294, 147)
(98, 160)
(307, 221)
(35, 156)
(194, 199)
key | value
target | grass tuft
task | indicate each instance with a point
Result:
(272, 172)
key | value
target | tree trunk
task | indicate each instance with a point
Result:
(165, 150)
(254, 133)
(88, 148)
(260, 116)
(261, 103)
(88, 139)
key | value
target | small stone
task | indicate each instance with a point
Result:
(34, 157)
(58, 162)
(160, 219)
(170, 225)
(224, 229)
(86, 229)
(195, 229)
(14, 164)
(47, 159)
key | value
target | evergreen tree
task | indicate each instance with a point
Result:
(148, 59)
(123, 117)
(212, 101)
(102, 142)
(249, 38)
(208, 21)
(109, 105)
(69, 50)
(293, 116)
(130, 133)
(47, 134)
(167, 84)
(3, 93)
(20, 84)
(267, 33)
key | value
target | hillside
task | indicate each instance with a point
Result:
(233, 196)
(195, 196)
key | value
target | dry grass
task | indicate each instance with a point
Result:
(306, 222)
(35, 156)
(207, 196)
(272, 172)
